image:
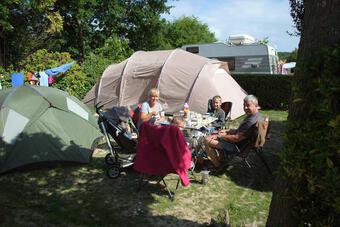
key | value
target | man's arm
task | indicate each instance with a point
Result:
(232, 137)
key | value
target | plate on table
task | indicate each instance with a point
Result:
(163, 122)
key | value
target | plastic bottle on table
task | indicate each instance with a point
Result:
(186, 110)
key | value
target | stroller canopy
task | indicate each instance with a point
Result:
(39, 124)
(179, 75)
(120, 113)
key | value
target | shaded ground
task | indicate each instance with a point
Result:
(83, 196)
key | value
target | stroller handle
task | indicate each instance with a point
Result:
(99, 111)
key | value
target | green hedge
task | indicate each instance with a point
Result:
(273, 91)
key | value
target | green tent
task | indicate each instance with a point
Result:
(42, 124)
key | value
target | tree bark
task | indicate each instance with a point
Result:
(279, 211)
(320, 29)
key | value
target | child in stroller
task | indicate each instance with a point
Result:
(117, 124)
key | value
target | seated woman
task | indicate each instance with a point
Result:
(151, 109)
(217, 112)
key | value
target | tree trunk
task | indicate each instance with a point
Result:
(320, 29)
(279, 211)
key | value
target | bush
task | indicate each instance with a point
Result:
(273, 91)
(114, 50)
(5, 77)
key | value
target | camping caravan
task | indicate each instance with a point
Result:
(179, 75)
(242, 54)
(44, 125)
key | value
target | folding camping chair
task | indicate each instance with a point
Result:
(226, 107)
(256, 142)
(260, 133)
(209, 105)
(134, 112)
(162, 150)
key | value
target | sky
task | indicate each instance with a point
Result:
(257, 18)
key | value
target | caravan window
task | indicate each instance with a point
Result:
(193, 50)
(230, 60)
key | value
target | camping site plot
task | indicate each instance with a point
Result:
(82, 195)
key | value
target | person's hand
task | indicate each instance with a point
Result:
(213, 136)
(222, 133)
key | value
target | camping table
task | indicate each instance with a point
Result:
(198, 121)
(195, 129)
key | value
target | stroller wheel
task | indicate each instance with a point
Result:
(109, 160)
(113, 172)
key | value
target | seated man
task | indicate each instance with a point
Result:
(226, 142)
(217, 112)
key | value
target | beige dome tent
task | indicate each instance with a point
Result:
(179, 75)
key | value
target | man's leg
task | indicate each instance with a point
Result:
(211, 143)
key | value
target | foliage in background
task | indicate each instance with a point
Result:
(144, 25)
(74, 81)
(26, 27)
(292, 57)
(5, 24)
(114, 50)
(273, 91)
(89, 23)
(188, 30)
(5, 77)
(311, 160)
(297, 12)
(264, 41)
(283, 55)
(81, 27)
(288, 56)
(77, 27)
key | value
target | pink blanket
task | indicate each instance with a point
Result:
(162, 150)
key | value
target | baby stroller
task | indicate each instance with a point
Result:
(117, 124)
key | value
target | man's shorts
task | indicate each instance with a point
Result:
(228, 148)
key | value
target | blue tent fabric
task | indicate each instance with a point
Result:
(59, 69)
(17, 79)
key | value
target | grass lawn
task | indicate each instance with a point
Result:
(83, 196)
